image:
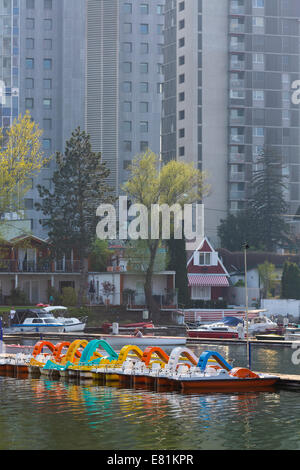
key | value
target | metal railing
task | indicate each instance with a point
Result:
(17, 266)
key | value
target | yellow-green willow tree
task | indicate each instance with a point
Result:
(21, 158)
(152, 183)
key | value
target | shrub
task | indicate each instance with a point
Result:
(69, 297)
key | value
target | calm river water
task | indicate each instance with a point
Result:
(42, 414)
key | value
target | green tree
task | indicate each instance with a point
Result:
(290, 281)
(100, 254)
(79, 187)
(267, 275)
(149, 184)
(268, 203)
(235, 229)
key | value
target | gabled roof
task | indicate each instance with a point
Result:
(22, 238)
(206, 247)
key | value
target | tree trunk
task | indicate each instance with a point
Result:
(83, 283)
(151, 304)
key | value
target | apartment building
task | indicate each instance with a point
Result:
(229, 67)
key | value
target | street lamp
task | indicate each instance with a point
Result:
(246, 247)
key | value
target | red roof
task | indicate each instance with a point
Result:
(207, 280)
(218, 268)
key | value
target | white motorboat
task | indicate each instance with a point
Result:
(34, 321)
(70, 324)
(225, 329)
(261, 324)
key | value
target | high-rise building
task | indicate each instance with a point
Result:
(229, 67)
(51, 79)
(124, 80)
(9, 62)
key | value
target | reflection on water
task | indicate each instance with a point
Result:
(45, 414)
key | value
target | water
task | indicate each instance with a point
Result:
(44, 414)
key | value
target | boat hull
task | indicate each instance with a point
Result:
(123, 340)
(228, 384)
(212, 334)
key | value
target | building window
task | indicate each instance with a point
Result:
(29, 43)
(29, 83)
(181, 78)
(48, 44)
(144, 28)
(181, 96)
(258, 95)
(144, 48)
(47, 144)
(47, 64)
(127, 87)
(181, 60)
(258, 21)
(181, 42)
(201, 293)
(258, 3)
(29, 63)
(144, 126)
(181, 151)
(127, 67)
(30, 4)
(47, 124)
(47, 24)
(28, 203)
(126, 164)
(144, 87)
(181, 24)
(258, 131)
(29, 103)
(144, 145)
(127, 27)
(160, 29)
(160, 9)
(127, 8)
(181, 115)
(29, 23)
(127, 46)
(144, 107)
(127, 145)
(127, 106)
(258, 59)
(47, 103)
(47, 84)
(181, 133)
(127, 125)
(48, 4)
(181, 6)
(144, 67)
(144, 8)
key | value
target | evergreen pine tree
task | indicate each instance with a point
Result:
(290, 281)
(268, 203)
(79, 187)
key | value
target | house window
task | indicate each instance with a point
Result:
(203, 259)
(201, 293)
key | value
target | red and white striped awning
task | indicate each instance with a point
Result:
(207, 280)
